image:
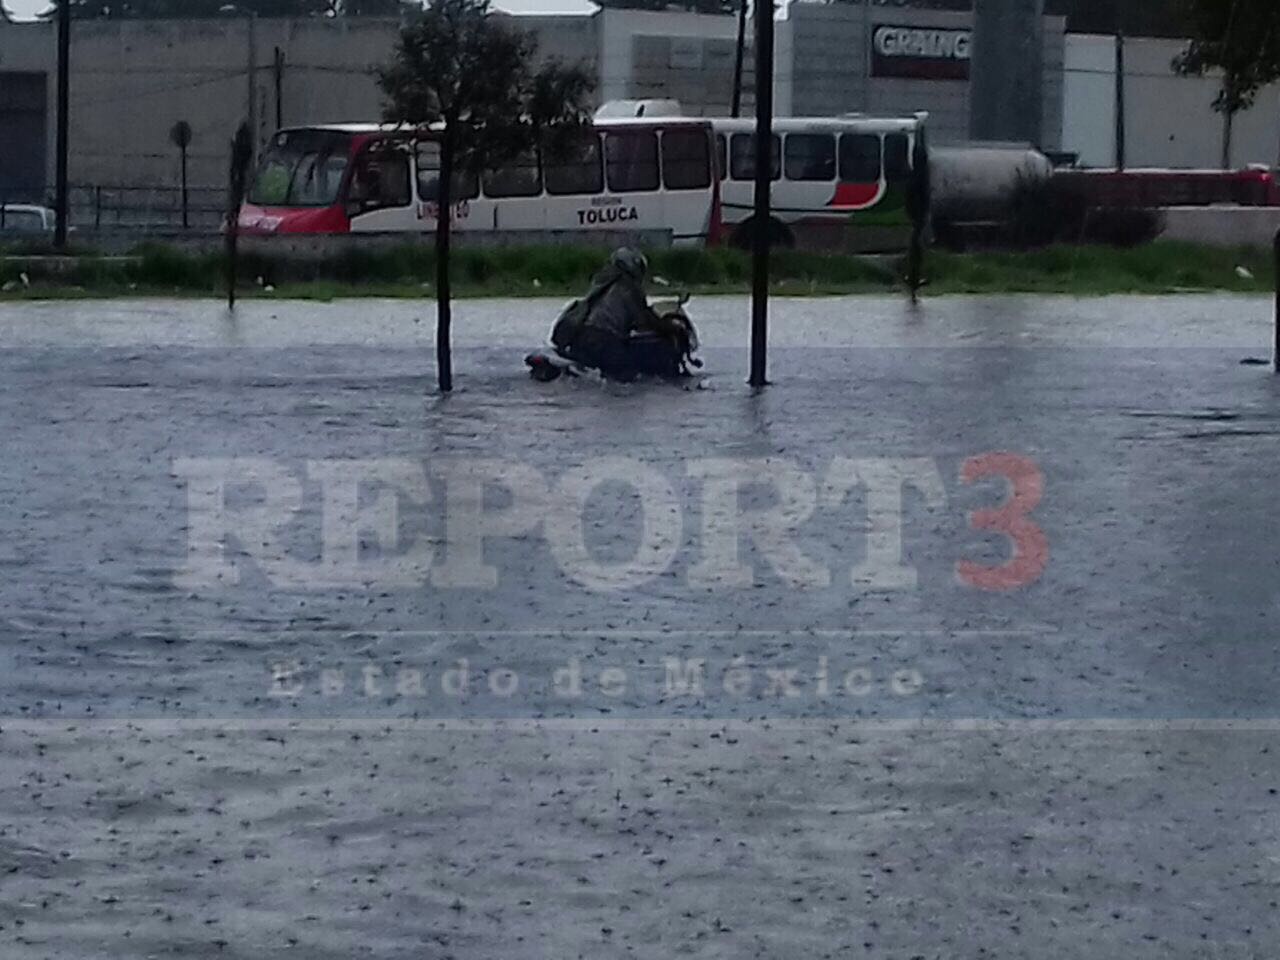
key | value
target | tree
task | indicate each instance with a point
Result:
(464, 79)
(1241, 38)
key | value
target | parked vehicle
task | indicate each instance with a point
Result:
(26, 219)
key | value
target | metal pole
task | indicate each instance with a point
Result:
(64, 113)
(279, 80)
(866, 56)
(185, 222)
(764, 177)
(1120, 89)
(253, 86)
(736, 109)
(1275, 357)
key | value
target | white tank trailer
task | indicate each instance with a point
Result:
(977, 182)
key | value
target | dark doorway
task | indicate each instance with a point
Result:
(23, 108)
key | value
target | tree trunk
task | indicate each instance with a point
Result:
(444, 216)
(1228, 122)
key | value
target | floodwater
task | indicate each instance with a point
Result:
(955, 641)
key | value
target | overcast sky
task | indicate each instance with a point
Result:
(26, 9)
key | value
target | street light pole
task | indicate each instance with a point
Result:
(736, 108)
(64, 111)
(253, 81)
(1121, 98)
(764, 176)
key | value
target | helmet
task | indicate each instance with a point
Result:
(631, 262)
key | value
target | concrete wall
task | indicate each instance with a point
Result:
(570, 38)
(1089, 118)
(645, 53)
(1169, 119)
(1222, 226)
(132, 80)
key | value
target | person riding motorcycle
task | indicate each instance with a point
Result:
(596, 330)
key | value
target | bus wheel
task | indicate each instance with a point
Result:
(780, 235)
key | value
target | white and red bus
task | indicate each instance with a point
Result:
(827, 171)
(687, 175)
(620, 175)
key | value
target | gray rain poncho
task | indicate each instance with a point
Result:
(614, 307)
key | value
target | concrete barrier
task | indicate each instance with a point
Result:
(1222, 226)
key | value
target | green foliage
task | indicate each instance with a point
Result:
(470, 75)
(562, 272)
(1239, 37)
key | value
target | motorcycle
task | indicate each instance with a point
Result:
(665, 351)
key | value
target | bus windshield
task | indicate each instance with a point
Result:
(302, 168)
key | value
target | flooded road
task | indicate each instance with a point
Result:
(958, 640)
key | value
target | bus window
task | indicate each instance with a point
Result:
(631, 161)
(465, 186)
(317, 179)
(380, 178)
(860, 158)
(722, 156)
(578, 170)
(301, 168)
(742, 157)
(897, 157)
(519, 178)
(810, 156)
(686, 160)
(271, 187)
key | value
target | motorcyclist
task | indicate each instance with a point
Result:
(595, 331)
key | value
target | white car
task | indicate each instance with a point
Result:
(26, 218)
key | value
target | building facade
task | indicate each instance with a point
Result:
(132, 80)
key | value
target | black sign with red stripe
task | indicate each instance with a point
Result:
(925, 53)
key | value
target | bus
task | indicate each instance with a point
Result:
(689, 176)
(828, 172)
(626, 175)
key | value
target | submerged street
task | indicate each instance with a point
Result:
(965, 624)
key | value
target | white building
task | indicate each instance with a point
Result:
(1169, 119)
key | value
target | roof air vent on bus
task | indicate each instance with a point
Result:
(617, 109)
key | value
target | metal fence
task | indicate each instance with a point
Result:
(137, 207)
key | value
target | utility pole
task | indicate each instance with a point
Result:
(64, 113)
(764, 178)
(1120, 87)
(736, 110)
(866, 56)
(279, 81)
(253, 82)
